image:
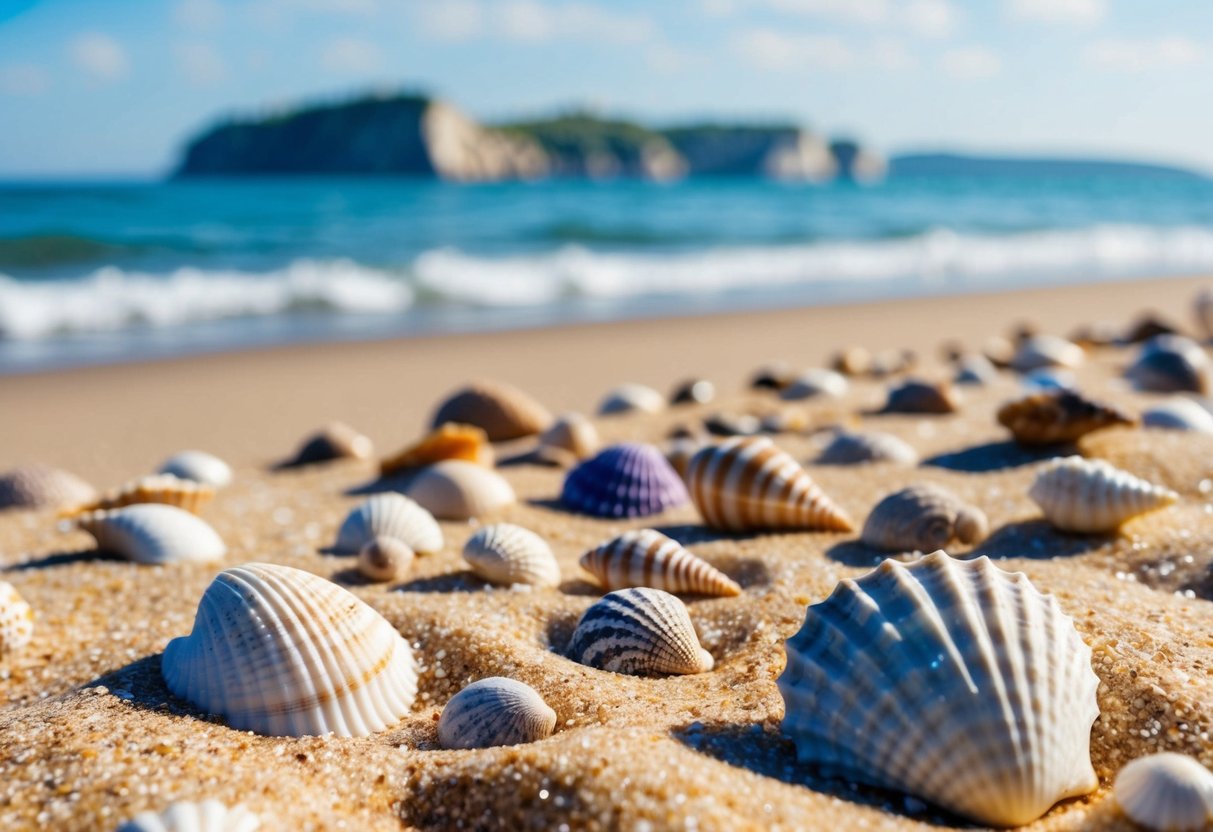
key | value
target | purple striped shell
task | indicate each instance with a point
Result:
(630, 479)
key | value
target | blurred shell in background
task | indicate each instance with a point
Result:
(198, 466)
(336, 440)
(38, 486)
(502, 411)
(631, 398)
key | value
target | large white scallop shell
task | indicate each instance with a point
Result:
(153, 533)
(282, 652)
(1179, 414)
(495, 711)
(389, 515)
(458, 490)
(631, 398)
(646, 557)
(507, 554)
(1092, 496)
(187, 816)
(198, 466)
(16, 620)
(640, 631)
(951, 680)
(1166, 792)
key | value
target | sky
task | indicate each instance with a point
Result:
(114, 88)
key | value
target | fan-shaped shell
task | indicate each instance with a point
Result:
(16, 620)
(495, 711)
(748, 483)
(626, 480)
(384, 559)
(640, 631)
(41, 486)
(448, 441)
(974, 369)
(335, 440)
(165, 489)
(1092, 496)
(507, 554)
(647, 557)
(923, 518)
(281, 652)
(153, 533)
(187, 816)
(574, 433)
(389, 515)
(693, 391)
(951, 680)
(1039, 351)
(502, 411)
(816, 383)
(631, 398)
(1056, 416)
(198, 466)
(1179, 414)
(458, 490)
(1171, 364)
(870, 446)
(1166, 792)
(915, 396)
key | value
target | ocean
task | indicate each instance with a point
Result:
(99, 272)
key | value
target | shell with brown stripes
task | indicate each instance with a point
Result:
(647, 557)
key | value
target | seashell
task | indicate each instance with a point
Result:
(1050, 378)
(506, 554)
(730, 424)
(923, 518)
(950, 680)
(153, 533)
(870, 446)
(502, 411)
(447, 441)
(187, 816)
(492, 712)
(693, 391)
(1149, 326)
(679, 451)
(1179, 414)
(974, 369)
(1055, 416)
(574, 433)
(16, 621)
(281, 652)
(774, 376)
(335, 440)
(1202, 306)
(890, 362)
(1171, 364)
(630, 479)
(639, 631)
(165, 489)
(816, 383)
(1098, 334)
(39, 486)
(1166, 792)
(458, 490)
(384, 559)
(1090, 495)
(998, 351)
(389, 515)
(915, 396)
(631, 398)
(852, 361)
(648, 558)
(198, 466)
(748, 483)
(1039, 351)
(785, 421)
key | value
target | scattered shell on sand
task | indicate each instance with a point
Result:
(923, 677)
(16, 621)
(891, 362)
(389, 515)
(923, 518)
(574, 433)
(39, 486)
(774, 376)
(848, 448)
(1039, 351)
(1166, 792)
(1179, 414)
(506, 554)
(975, 370)
(1202, 307)
(447, 441)
(384, 559)
(1171, 364)
(785, 421)
(915, 396)
(1055, 416)
(198, 466)
(1092, 496)
(336, 440)
(282, 652)
(639, 631)
(502, 411)
(153, 533)
(646, 557)
(458, 490)
(631, 398)
(816, 383)
(187, 816)
(630, 479)
(693, 391)
(1050, 378)
(165, 489)
(852, 361)
(492, 712)
(732, 424)
(1148, 326)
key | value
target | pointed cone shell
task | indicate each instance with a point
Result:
(165, 489)
(458, 490)
(1047, 351)
(1166, 793)
(923, 518)
(495, 711)
(281, 652)
(41, 486)
(1179, 414)
(187, 816)
(449, 441)
(870, 446)
(913, 396)
(630, 479)
(502, 411)
(1056, 416)
(749, 483)
(649, 558)
(336, 440)
(16, 621)
(506, 554)
(389, 515)
(1092, 496)
(631, 398)
(640, 631)
(153, 533)
(574, 433)
(816, 383)
(384, 559)
(198, 466)
(950, 680)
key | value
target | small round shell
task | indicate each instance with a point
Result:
(916, 396)
(974, 369)
(923, 518)
(384, 559)
(448, 441)
(16, 621)
(502, 411)
(647, 557)
(870, 446)
(39, 486)
(852, 361)
(506, 554)
(336, 440)
(165, 489)
(1039, 351)
(1171, 364)
(492, 712)
(389, 515)
(693, 391)
(574, 433)
(1092, 496)
(1179, 414)
(639, 631)
(198, 466)
(1057, 416)
(187, 816)
(458, 490)
(631, 398)
(1166, 792)
(816, 383)
(153, 533)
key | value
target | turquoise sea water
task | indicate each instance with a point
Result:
(105, 272)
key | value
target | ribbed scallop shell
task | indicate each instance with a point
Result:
(1040, 351)
(816, 383)
(1092, 496)
(626, 480)
(389, 515)
(950, 680)
(165, 489)
(153, 533)
(458, 490)
(1057, 416)
(16, 620)
(448, 441)
(923, 518)
(502, 411)
(506, 554)
(198, 466)
(748, 483)
(281, 652)
(384, 559)
(1166, 792)
(1179, 414)
(187, 816)
(492, 712)
(1171, 364)
(574, 433)
(870, 446)
(647, 557)
(639, 631)
(915, 396)
(631, 398)
(38, 486)
(335, 440)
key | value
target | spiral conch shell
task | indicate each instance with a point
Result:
(1166, 792)
(506, 554)
(923, 518)
(502, 411)
(281, 652)
(448, 441)
(1057, 416)
(39, 486)
(166, 489)
(16, 621)
(495, 711)
(748, 483)
(389, 515)
(187, 816)
(639, 631)
(1092, 496)
(951, 680)
(153, 533)
(198, 466)
(648, 558)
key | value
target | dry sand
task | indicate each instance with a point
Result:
(89, 735)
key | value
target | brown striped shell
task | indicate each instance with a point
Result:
(923, 518)
(37, 486)
(1055, 416)
(647, 557)
(492, 712)
(448, 441)
(916, 396)
(336, 440)
(640, 631)
(502, 411)
(157, 488)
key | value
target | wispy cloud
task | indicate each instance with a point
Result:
(199, 15)
(532, 21)
(101, 57)
(200, 63)
(924, 18)
(24, 79)
(352, 56)
(774, 50)
(970, 63)
(1139, 55)
(1064, 12)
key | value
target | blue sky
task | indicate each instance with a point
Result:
(113, 88)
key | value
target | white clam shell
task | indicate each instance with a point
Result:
(495, 711)
(389, 515)
(282, 652)
(640, 631)
(198, 466)
(153, 533)
(1047, 351)
(923, 518)
(869, 446)
(1166, 793)
(384, 559)
(630, 398)
(506, 554)
(953, 681)
(458, 490)
(1092, 496)
(1179, 414)
(816, 383)
(646, 557)
(187, 816)
(16, 620)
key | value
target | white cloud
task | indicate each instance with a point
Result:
(847, 11)
(453, 20)
(201, 63)
(532, 21)
(23, 79)
(926, 18)
(199, 15)
(1128, 55)
(772, 50)
(929, 18)
(1066, 12)
(971, 63)
(351, 55)
(100, 56)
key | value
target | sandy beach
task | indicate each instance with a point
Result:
(90, 735)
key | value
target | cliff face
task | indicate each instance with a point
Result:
(779, 152)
